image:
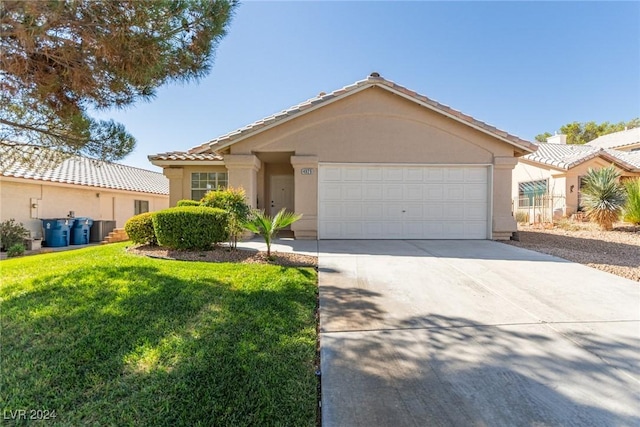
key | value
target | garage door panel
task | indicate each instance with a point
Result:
(434, 174)
(475, 192)
(393, 229)
(392, 212)
(330, 192)
(328, 174)
(393, 174)
(475, 230)
(433, 192)
(413, 174)
(454, 175)
(414, 228)
(475, 212)
(403, 202)
(453, 192)
(352, 192)
(373, 174)
(352, 174)
(475, 175)
(413, 211)
(372, 211)
(393, 192)
(433, 212)
(353, 229)
(413, 192)
(454, 211)
(352, 211)
(332, 210)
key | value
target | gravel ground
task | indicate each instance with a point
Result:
(224, 254)
(616, 251)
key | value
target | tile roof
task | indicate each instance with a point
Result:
(373, 80)
(181, 155)
(566, 156)
(617, 139)
(79, 171)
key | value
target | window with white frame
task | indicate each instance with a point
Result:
(529, 191)
(203, 182)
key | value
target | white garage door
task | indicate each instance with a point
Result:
(403, 202)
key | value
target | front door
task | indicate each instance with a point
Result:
(281, 193)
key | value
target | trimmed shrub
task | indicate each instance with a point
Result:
(631, 209)
(11, 233)
(15, 250)
(234, 201)
(187, 202)
(139, 228)
(190, 227)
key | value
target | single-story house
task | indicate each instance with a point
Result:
(35, 190)
(625, 140)
(373, 160)
(548, 181)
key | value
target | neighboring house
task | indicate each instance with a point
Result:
(626, 140)
(89, 188)
(372, 160)
(549, 180)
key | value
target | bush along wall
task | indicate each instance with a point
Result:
(140, 230)
(190, 227)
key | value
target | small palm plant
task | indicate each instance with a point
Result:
(631, 209)
(267, 226)
(603, 197)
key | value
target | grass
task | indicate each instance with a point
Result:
(107, 338)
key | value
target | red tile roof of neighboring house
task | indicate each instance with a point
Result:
(373, 80)
(17, 161)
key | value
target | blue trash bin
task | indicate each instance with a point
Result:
(57, 231)
(80, 231)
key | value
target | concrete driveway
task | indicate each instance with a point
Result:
(463, 333)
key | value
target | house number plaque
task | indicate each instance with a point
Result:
(306, 171)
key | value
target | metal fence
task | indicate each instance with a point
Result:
(538, 209)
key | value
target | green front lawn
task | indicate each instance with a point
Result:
(107, 338)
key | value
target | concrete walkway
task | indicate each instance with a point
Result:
(464, 333)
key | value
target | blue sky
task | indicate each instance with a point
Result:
(525, 67)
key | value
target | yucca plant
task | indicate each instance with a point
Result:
(267, 226)
(631, 210)
(603, 196)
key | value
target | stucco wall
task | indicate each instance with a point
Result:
(56, 200)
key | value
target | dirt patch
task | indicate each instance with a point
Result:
(224, 254)
(616, 251)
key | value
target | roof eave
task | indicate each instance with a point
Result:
(162, 163)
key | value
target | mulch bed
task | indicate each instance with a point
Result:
(225, 254)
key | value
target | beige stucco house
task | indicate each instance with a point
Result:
(99, 190)
(555, 171)
(372, 160)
